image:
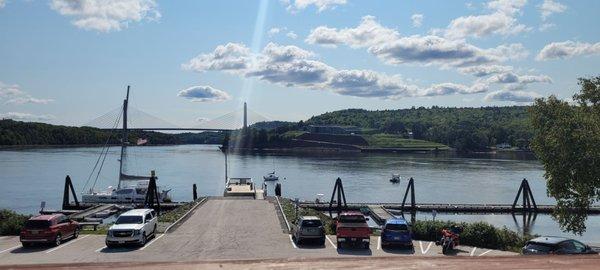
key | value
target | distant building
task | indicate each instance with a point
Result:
(333, 129)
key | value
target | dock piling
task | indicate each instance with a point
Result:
(411, 187)
(341, 198)
(66, 194)
(194, 191)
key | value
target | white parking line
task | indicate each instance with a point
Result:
(473, 251)
(66, 244)
(150, 243)
(98, 250)
(485, 253)
(9, 249)
(426, 250)
(331, 242)
(292, 241)
(378, 242)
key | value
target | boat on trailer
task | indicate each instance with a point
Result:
(130, 188)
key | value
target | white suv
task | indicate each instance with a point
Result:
(132, 227)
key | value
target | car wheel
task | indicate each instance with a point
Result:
(76, 233)
(144, 239)
(57, 240)
(366, 245)
(339, 244)
(26, 245)
(322, 242)
(298, 241)
(154, 230)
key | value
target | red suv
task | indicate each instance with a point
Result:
(48, 229)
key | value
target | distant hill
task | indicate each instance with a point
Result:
(461, 128)
(30, 133)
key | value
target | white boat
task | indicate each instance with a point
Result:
(130, 188)
(395, 178)
(271, 177)
(239, 186)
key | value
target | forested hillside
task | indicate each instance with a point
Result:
(29, 133)
(461, 128)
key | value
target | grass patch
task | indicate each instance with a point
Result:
(290, 213)
(175, 214)
(292, 134)
(478, 234)
(382, 140)
(11, 222)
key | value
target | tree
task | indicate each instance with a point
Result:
(567, 142)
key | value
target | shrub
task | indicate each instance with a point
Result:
(479, 234)
(11, 222)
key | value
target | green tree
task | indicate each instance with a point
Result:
(567, 141)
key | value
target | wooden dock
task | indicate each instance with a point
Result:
(444, 208)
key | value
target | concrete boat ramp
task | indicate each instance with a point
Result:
(221, 228)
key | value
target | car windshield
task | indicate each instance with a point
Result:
(311, 223)
(538, 247)
(352, 219)
(129, 220)
(37, 224)
(396, 227)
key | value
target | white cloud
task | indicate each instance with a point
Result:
(507, 6)
(454, 88)
(321, 5)
(291, 66)
(549, 7)
(274, 31)
(483, 25)
(546, 26)
(417, 20)
(369, 32)
(231, 57)
(391, 48)
(2, 3)
(26, 116)
(512, 96)
(567, 49)
(12, 94)
(106, 15)
(484, 70)
(512, 78)
(204, 93)
(292, 35)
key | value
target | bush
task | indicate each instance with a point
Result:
(11, 222)
(478, 234)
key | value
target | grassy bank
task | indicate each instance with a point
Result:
(395, 141)
(11, 222)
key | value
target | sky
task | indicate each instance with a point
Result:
(70, 61)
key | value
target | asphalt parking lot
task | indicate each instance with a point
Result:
(220, 229)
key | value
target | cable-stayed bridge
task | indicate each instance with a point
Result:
(130, 118)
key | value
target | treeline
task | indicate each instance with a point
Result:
(29, 133)
(468, 129)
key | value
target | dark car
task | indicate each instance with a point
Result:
(309, 228)
(51, 229)
(556, 245)
(396, 231)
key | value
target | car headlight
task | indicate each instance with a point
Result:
(109, 233)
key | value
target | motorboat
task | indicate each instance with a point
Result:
(395, 178)
(271, 177)
(239, 186)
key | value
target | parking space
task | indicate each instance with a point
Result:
(220, 229)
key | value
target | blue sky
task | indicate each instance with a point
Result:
(67, 62)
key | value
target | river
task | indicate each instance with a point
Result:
(30, 176)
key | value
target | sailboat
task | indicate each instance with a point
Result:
(130, 188)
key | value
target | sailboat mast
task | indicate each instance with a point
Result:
(124, 140)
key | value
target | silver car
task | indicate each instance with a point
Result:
(132, 227)
(308, 228)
